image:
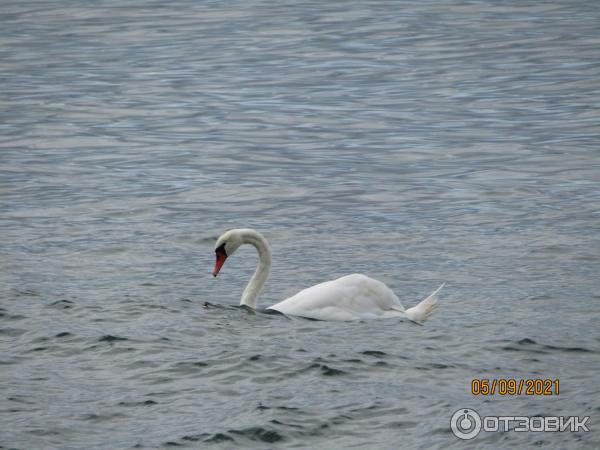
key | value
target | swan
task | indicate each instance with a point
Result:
(352, 297)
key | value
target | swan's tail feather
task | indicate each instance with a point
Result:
(423, 310)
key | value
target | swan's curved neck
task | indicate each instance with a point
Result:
(256, 283)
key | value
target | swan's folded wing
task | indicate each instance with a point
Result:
(352, 297)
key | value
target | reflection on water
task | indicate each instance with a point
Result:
(417, 142)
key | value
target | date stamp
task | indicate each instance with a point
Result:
(512, 386)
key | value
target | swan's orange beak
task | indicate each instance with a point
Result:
(221, 257)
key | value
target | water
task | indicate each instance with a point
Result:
(416, 142)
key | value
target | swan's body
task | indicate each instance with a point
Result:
(352, 297)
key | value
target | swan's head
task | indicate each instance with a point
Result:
(226, 245)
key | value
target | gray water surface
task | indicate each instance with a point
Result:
(415, 142)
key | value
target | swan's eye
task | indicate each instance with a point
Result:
(221, 249)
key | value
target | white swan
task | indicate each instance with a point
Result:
(352, 297)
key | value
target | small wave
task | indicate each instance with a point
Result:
(102, 417)
(376, 353)
(259, 434)
(12, 332)
(63, 334)
(256, 434)
(187, 367)
(111, 338)
(26, 293)
(291, 425)
(569, 349)
(325, 370)
(434, 366)
(206, 437)
(293, 409)
(38, 349)
(529, 345)
(61, 304)
(219, 437)
(209, 305)
(142, 403)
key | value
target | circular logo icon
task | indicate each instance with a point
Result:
(465, 423)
